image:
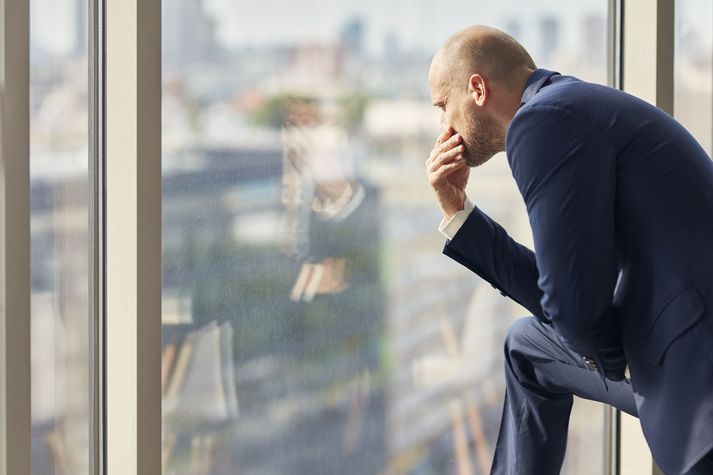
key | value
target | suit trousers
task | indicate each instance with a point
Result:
(541, 377)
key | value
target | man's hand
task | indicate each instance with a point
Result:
(614, 365)
(447, 172)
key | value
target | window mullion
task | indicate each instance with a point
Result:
(14, 239)
(133, 237)
(647, 72)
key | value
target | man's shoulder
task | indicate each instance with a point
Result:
(566, 103)
(573, 95)
(560, 119)
(550, 110)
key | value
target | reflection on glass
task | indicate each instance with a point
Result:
(59, 232)
(311, 324)
(693, 69)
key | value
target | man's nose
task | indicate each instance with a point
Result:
(444, 122)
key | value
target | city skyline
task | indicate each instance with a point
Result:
(240, 24)
(244, 24)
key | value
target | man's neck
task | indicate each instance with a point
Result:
(511, 99)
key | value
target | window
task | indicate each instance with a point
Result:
(693, 69)
(310, 322)
(60, 230)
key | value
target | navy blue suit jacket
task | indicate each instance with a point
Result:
(620, 200)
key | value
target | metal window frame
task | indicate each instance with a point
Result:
(127, 436)
(647, 50)
(612, 416)
(15, 239)
(146, 462)
(646, 70)
(133, 237)
(97, 237)
(15, 394)
(614, 39)
(133, 204)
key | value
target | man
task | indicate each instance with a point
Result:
(614, 187)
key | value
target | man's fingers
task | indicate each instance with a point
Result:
(439, 175)
(450, 143)
(445, 157)
(443, 147)
(444, 135)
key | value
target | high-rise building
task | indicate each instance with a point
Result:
(81, 44)
(593, 32)
(549, 35)
(513, 28)
(188, 34)
(352, 36)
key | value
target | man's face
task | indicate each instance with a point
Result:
(481, 134)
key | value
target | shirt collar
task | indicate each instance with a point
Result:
(535, 82)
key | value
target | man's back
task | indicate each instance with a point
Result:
(651, 212)
(664, 191)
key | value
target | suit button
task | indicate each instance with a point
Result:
(503, 294)
(590, 362)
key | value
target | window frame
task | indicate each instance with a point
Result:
(15, 395)
(646, 72)
(653, 72)
(126, 225)
(97, 236)
(133, 237)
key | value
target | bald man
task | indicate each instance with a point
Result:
(620, 200)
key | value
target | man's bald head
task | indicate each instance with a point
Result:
(477, 79)
(483, 50)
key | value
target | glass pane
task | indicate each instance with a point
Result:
(693, 69)
(311, 324)
(59, 232)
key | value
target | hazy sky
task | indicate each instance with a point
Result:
(423, 24)
(417, 23)
(52, 24)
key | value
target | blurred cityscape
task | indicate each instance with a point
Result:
(311, 324)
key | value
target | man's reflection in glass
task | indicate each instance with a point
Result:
(319, 191)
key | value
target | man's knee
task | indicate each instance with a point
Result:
(520, 334)
(519, 346)
(528, 345)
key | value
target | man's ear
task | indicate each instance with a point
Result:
(478, 90)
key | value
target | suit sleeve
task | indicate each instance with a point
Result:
(484, 246)
(566, 173)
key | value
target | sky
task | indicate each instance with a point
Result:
(417, 23)
(52, 24)
(421, 24)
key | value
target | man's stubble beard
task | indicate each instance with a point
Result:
(482, 138)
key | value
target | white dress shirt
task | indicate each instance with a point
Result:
(449, 227)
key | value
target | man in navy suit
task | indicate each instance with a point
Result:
(620, 200)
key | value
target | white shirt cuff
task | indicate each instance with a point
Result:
(449, 227)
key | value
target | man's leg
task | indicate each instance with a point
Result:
(541, 375)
